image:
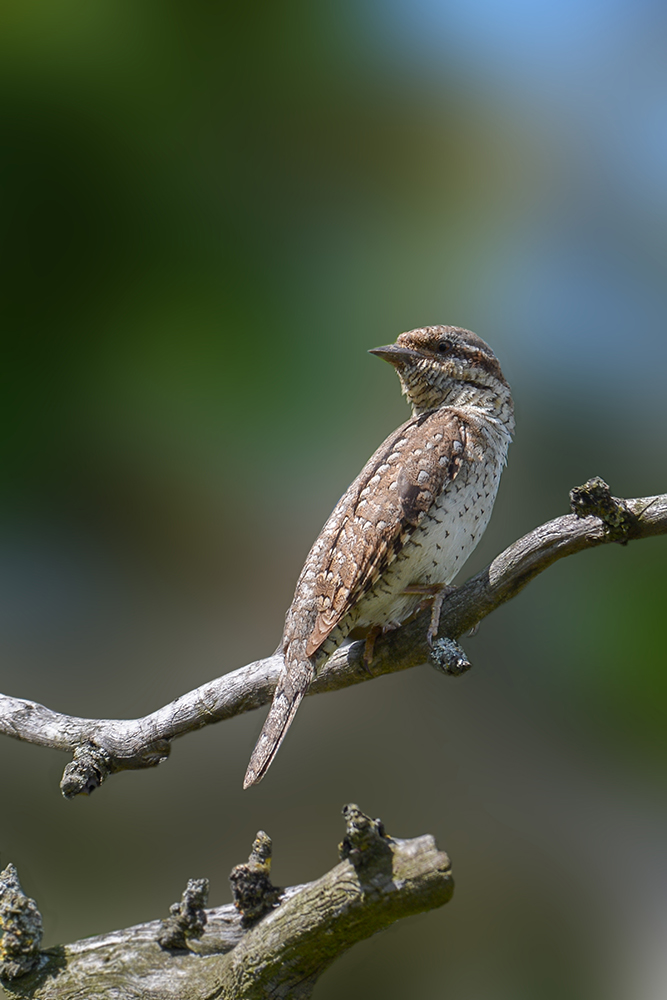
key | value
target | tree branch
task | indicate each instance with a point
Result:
(229, 954)
(105, 746)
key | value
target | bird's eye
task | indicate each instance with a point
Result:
(444, 346)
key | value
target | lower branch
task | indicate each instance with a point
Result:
(104, 746)
(269, 943)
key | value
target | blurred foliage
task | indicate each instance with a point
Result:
(210, 212)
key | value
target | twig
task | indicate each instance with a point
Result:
(104, 746)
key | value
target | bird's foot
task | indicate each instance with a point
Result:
(373, 633)
(369, 646)
(436, 608)
(434, 595)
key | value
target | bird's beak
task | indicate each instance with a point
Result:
(394, 354)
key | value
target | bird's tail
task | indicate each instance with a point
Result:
(292, 686)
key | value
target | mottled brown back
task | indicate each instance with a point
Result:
(382, 507)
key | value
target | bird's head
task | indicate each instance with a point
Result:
(446, 366)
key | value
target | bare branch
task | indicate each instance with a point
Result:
(105, 746)
(231, 956)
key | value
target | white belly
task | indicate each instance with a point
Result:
(438, 548)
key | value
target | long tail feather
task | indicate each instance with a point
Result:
(291, 688)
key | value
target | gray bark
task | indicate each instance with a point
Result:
(237, 957)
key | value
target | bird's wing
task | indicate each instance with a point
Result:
(378, 513)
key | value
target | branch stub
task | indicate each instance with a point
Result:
(449, 658)
(20, 927)
(594, 499)
(187, 919)
(253, 893)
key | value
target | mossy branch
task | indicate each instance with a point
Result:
(269, 943)
(101, 747)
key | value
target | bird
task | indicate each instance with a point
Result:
(404, 528)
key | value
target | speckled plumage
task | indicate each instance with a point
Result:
(409, 520)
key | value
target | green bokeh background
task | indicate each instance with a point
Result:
(210, 213)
